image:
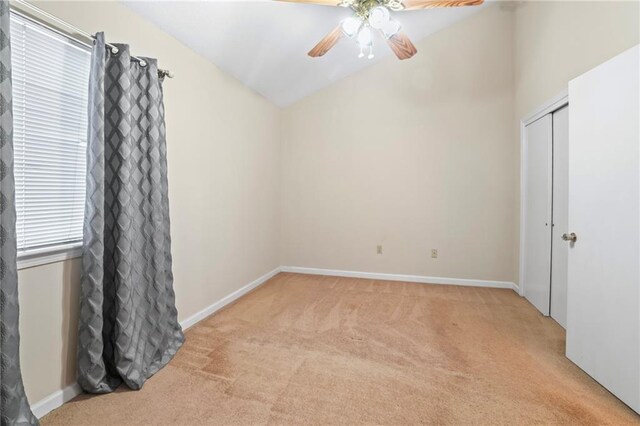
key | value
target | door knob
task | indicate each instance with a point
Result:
(570, 237)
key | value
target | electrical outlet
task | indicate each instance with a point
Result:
(379, 249)
(434, 253)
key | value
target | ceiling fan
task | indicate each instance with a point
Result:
(369, 15)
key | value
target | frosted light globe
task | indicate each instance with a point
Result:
(365, 37)
(390, 28)
(378, 17)
(350, 26)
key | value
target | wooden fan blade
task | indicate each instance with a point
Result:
(430, 4)
(321, 2)
(326, 43)
(402, 46)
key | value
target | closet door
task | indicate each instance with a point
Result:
(559, 248)
(537, 226)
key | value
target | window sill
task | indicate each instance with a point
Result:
(31, 258)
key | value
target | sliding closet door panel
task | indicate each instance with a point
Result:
(537, 232)
(560, 248)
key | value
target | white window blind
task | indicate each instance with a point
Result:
(50, 90)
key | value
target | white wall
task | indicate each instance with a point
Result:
(223, 148)
(410, 155)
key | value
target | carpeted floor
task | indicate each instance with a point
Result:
(323, 350)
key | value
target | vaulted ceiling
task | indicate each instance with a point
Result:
(264, 44)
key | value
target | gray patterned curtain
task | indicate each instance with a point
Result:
(14, 407)
(128, 321)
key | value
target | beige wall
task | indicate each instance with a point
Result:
(425, 153)
(223, 143)
(558, 41)
(410, 155)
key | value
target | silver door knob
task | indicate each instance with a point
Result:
(570, 237)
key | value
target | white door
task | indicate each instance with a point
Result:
(537, 215)
(603, 318)
(559, 248)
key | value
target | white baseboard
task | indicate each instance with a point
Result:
(199, 316)
(399, 277)
(55, 400)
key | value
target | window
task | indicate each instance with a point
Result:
(50, 90)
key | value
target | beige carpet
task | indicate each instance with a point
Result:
(322, 350)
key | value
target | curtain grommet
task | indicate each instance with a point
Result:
(115, 50)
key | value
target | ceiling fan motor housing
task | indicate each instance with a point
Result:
(364, 6)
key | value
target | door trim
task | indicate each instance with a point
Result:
(559, 101)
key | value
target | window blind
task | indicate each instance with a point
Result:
(50, 92)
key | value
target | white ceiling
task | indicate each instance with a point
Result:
(264, 44)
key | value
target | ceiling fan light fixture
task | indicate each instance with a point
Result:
(378, 17)
(376, 14)
(390, 28)
(351, 25)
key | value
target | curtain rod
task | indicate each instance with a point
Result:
(114, 49)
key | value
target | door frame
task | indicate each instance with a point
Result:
(559, 101)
